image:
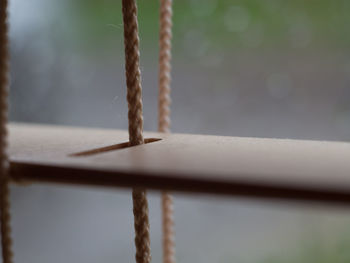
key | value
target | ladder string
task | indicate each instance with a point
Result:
(134, 98)
(168, 228)
(5, 218)
(165, 36)
(164, 101)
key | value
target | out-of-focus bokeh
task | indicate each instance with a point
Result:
(272, 68)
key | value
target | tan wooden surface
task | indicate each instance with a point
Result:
(255, 167)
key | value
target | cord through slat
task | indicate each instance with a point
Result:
(134, 98)
(164, 101)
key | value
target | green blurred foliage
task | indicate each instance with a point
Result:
(315, 250)
(221, 24)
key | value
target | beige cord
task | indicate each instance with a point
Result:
(6, 241)
(132, 72)
(134, 97)
(142, 239)
(168, 228)
(164, 65)
(164, 101)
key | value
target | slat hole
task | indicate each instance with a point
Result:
(114, 147)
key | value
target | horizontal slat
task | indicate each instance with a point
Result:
(255, 167)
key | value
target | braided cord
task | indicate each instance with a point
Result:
(164, 102)
(142, 238)
(165, 36)
(6, 241)
(134, 98)
(132, 72)
(168, 228)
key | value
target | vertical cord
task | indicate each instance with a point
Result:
(164, 120)
(168, 228)
(134, 98)
(6, 241)
(165, 36)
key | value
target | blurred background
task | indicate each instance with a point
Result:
(272, 68)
